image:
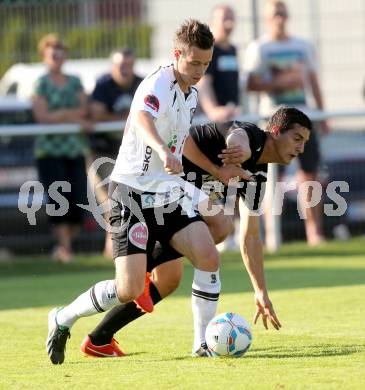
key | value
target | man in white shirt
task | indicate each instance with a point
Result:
(146, 198)
(283, 69)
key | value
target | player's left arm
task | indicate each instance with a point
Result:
(223, 174)
(252, 255)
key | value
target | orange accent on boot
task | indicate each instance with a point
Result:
(144, 301)
(102, 351)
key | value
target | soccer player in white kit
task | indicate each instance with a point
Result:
(145, 194)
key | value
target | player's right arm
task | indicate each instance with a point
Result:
(150, 101)
(252, 255)
(147, 130)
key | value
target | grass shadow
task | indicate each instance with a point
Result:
(310, 351)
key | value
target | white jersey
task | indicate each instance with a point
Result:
(138, 165)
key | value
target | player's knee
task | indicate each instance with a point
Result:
(214, 259)
(209, 261)
(128, 293)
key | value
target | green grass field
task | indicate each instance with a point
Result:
(319, 296)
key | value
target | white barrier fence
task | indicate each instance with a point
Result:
(103, 127)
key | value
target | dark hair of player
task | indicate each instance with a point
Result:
(193, 33)
(285, 118)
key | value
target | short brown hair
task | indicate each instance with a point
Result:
(50, 40)
(193, 33)
(286, 117)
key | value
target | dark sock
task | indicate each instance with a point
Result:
(118, 317)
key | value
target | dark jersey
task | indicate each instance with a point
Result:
(117, 100)
(211, 139)
(224, 70)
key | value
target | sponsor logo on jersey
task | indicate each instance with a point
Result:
(151, 101)
(138, 235)
(147, 158)
(172, 144)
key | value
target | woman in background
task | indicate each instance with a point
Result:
(60, 98)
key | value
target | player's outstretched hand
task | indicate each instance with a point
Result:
(265, 309)
(227, 172)
(233, 155)
(171, 164)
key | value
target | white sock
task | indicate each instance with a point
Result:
(101, 297)
(205, 293)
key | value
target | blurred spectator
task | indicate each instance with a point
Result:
(282, 69)
(219, 88)
(59, 98)
(112, 98)
(111, 101)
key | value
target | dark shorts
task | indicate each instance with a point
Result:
(309, 160)
(71, 170)
(160, 255)
(137, 228)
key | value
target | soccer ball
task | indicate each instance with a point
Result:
(228, 334)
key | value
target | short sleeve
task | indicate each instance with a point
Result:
(99, 94)
(152, 96)
(311, 57)
(39, 87)
(253, 60)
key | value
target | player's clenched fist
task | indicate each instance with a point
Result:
(171, 164)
